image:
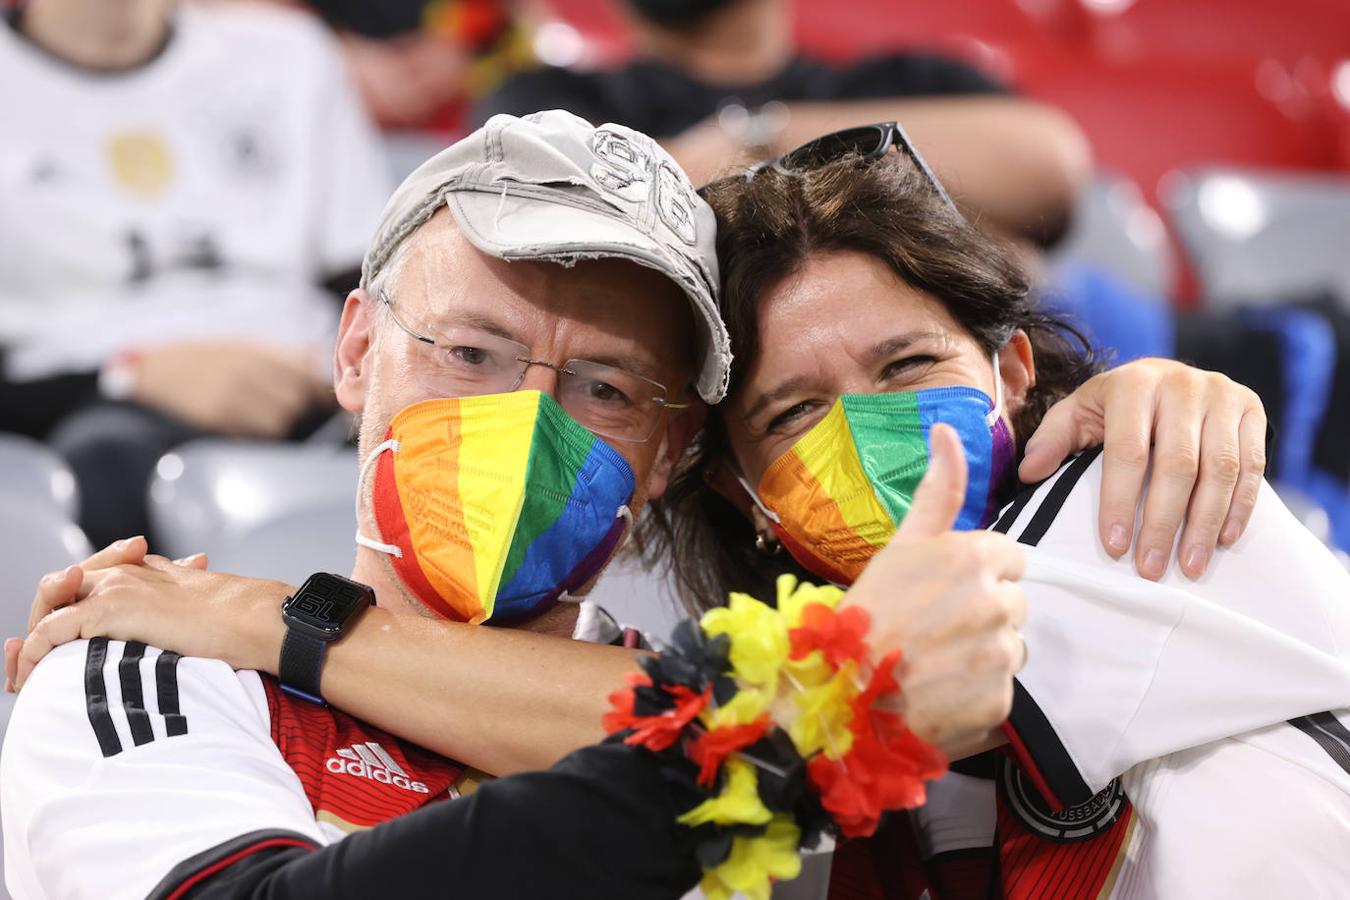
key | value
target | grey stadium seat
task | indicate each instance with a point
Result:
(1261, 236)
(28, 470)
(1115, 229)
(225, 497)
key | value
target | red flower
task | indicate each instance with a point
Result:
(710, 748)
(659, 731)
(839, 635)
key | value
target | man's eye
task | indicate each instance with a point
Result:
(473, 356)
(606, 393)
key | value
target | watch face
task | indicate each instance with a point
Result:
(326, 602)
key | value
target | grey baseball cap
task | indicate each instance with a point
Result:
(551, 186)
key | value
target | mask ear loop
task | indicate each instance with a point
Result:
(361, 540)
(993, 415)
(754, 495)
(622, 513)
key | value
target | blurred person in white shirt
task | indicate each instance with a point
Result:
(183, 190)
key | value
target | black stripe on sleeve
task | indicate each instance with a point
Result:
(166, 685)
(133, 695)
(1330, 734)
(1046, 750)
(1006, 520)
(96, 698)
(1057, 495)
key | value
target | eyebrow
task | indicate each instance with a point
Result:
(779, 391)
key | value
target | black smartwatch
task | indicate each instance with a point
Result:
(315, 616)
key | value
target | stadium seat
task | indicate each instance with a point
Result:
(1259, 237)
(34, 539)
(214, 495)
(31, 472)
(1115, 229)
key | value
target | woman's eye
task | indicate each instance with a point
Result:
(905, 365)
(473, 356)
(785, 418)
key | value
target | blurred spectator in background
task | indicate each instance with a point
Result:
(721, 82)
(176, 187)
(417, 63)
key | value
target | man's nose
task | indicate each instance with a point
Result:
(540, 378)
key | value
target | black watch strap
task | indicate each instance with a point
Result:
(301, 664)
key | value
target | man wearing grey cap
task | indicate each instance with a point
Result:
(534, 331)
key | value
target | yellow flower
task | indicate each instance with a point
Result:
(792, 596)
(747, 706)
(738, 804)
(755, 862)
(823, 715)
(759, 640)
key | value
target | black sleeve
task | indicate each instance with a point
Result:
(550, 87)
(600, 824)
(912, 75)
(34, 407)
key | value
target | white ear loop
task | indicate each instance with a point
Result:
(627, 515)
(361, 540)
(754, 495)
(993, 414)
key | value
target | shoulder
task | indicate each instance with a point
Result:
(1057, 510)
(915, 75)
(289, 38)
(99, 698)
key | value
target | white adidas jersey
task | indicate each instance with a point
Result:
(1186, 739)
(203, 195)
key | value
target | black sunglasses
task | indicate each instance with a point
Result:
(869, 142)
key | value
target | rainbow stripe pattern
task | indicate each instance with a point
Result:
(498, 504)
(842, 489)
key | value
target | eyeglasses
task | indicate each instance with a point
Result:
(869, 142)
(463, 361)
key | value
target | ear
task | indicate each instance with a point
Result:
(681, 428)
(1017, 367)
(353, 359)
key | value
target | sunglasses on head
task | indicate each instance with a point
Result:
(868, 142)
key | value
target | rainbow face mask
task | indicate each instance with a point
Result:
(836, 497)
(492, 507)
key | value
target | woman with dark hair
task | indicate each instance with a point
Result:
(863, 310)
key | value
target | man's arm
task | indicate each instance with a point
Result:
(120, 762)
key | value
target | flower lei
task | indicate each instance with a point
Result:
(780, 711)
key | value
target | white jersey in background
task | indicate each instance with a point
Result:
(1184, 739)
(202, 195)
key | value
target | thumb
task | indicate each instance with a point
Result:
(942, 493)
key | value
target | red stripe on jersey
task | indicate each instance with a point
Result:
(198, 877)
(1027, 763)
(343, 774)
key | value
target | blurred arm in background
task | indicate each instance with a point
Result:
(1014, 164)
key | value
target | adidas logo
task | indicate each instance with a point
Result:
(369, 760)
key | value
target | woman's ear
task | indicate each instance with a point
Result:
(352, 361)
(1017, 367)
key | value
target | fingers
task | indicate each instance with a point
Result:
(127, 550)
(942, 492)
(1252, 454)
(55, 590)
(1220, 468)
(61, 627)
(1176, 465)
(12, 648)
(1127, 438)
(1062, 431)
(195, 561)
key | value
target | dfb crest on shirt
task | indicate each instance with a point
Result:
(1076, 823)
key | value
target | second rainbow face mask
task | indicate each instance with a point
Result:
(492, 507)
(836, 497)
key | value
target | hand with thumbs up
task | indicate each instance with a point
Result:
(951, 603)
